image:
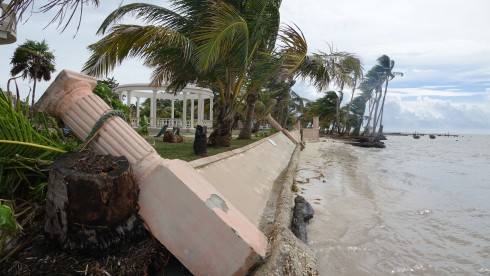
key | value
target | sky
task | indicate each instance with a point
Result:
(442, 47)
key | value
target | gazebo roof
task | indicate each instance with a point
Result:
(145, 90)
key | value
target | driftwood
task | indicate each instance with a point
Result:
(200, 141)
(302, 213)
(91, 203)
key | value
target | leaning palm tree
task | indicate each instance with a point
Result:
(372, 82)
(213, 43)
(34, 61)
(385, 65)
(337, 68)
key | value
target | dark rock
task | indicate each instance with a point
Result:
(200, 141)
(302, 213)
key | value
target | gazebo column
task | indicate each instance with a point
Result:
(138, 109)
(173, 113)
(184, 109)
(200, 111)
(211, 106)
(192, 113)
(153, 109)
(128, 98)
(120, 95)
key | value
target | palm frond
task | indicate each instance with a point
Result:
(294, 49)
(148, 13)
(226, 35)
(18, 137)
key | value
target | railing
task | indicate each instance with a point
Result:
(160, 122)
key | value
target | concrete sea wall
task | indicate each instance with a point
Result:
(245, 176)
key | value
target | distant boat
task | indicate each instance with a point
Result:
(415, 136)
(432, 136)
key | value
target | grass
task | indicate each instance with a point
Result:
(184, 150)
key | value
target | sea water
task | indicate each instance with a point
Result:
(417, 207)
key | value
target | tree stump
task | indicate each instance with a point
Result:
(200, 141)
(302, 213)
(91, 203)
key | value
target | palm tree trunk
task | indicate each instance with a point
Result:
(382, 109)
(349, 104)
(371, 109)
(31, 110)
(221, 135)
(246, 132)
(376, 109)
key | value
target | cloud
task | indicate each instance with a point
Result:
(426, 114)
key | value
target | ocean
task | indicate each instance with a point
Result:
(417, 207)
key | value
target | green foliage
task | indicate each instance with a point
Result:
(105, 92)
(27, 147)
(184, 151)
(8, 225)
(219, 44)
(143, 123)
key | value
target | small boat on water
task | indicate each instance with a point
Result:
(416, 136)
(432, 136)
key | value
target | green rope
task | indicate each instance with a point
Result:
(98, 125)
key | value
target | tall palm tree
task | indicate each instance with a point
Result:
(338, 68)
(34, 61)
(213, 43)
(385, 67)
(372, 82)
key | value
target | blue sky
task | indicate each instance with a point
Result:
(441, 46)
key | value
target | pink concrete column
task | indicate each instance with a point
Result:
(298, 124)
(278, 127)
(316, 122)
(203, 229)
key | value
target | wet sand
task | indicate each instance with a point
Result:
(323, 177)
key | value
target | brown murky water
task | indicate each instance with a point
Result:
(418, 207)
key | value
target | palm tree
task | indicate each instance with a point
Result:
(338, 68)
(219, 44)
(385, 65)
(372, 82)
(34, 61)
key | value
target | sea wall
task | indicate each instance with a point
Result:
(245, 176)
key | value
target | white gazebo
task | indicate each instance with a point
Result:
(190, 93)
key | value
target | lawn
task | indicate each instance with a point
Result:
(184, 150)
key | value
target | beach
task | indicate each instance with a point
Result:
(414, 208)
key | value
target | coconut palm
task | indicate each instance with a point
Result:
(337, 68)
(372, 82)
(220, 44)
(385, 68)
(34, 61)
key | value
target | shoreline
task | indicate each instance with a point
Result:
(287, 255)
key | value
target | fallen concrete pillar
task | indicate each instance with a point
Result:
(278, 127)
(203, 229)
